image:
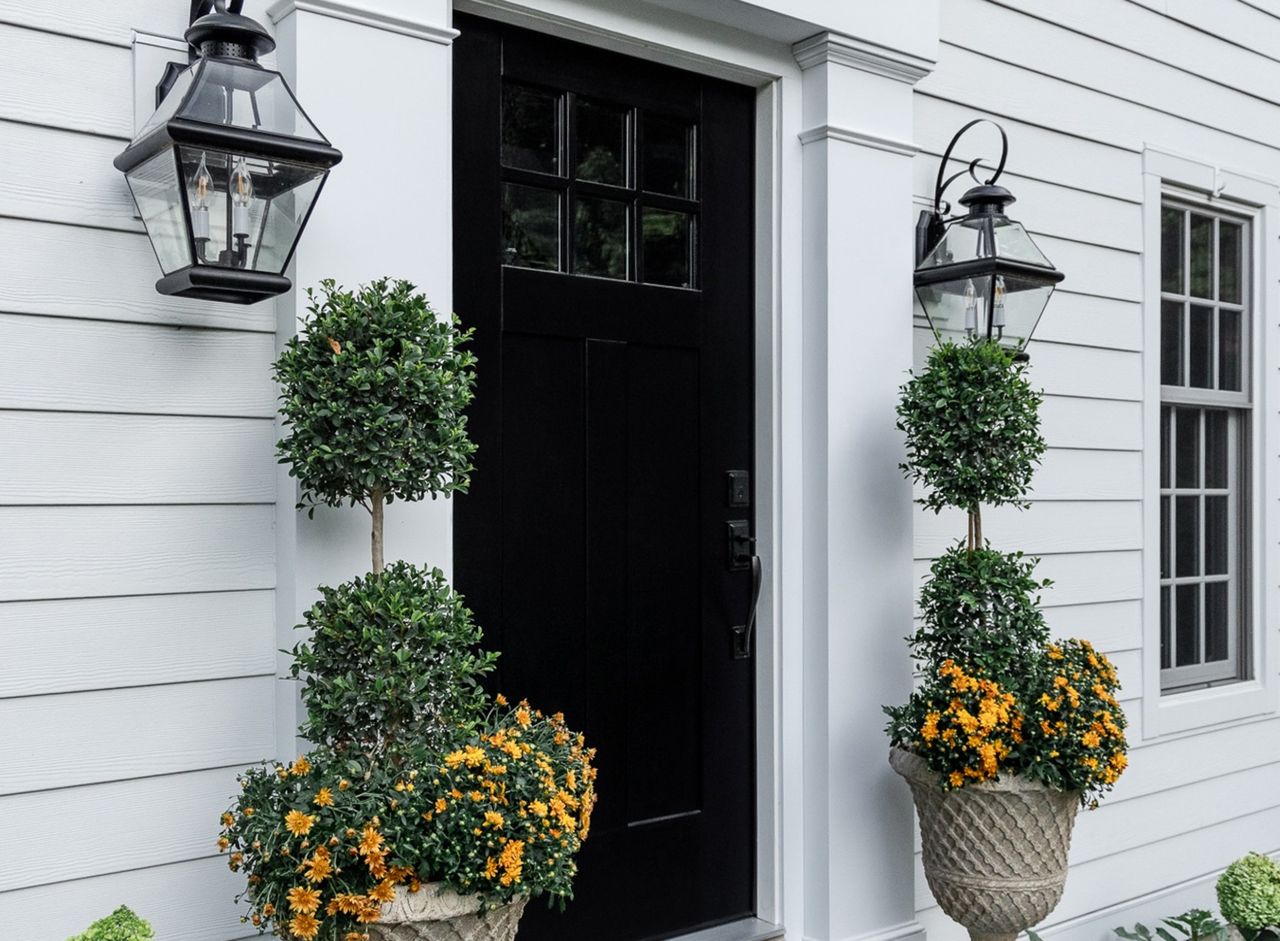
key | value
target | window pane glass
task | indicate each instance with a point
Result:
(1171, 222)
(1229, 352)
(530, 227)
(1166, 427)
(1187, 545)
(530, 129)
(1165, 541)
(1216, 621)
(600, 237)
(1230, 237)
(1201, 255)
(602, 142)
(1166, 619)
(1217, 461)
(1187, 626)
(1215, 535)
(1171, 343)
(1201, 368)
(1187, 442)
(668, 247)
(668, 156)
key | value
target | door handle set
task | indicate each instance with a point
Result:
(742, 555)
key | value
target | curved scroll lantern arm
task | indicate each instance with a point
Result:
(929, 228)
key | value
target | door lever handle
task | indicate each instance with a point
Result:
(742, 632)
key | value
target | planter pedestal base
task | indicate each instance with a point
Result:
(437, 913)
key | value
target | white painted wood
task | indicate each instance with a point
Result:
(58, 81)
(132, 824)
(98, 366)
(1109, 626)
(70, 552)
(188, 901)
(109, 735)
(104, 643)
(1085, 372)
(1080, 578)
(1068, 474)
(112, 23)
(1096, 424)
(60, 176)
(104, 276)
(1239, 23)
(1089, 321)
(1101, 272)
(1045, 528)
(68, 458)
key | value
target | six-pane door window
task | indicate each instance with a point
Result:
(1204, 434)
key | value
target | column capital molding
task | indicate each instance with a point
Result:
(364, 14)
(862, 55)
(847, 135)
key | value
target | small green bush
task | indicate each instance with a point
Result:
(120, 925)
(1249, 892)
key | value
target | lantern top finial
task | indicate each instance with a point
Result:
(224, 32)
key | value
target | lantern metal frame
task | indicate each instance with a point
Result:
(985, 204)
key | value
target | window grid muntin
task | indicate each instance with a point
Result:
(1237, 405)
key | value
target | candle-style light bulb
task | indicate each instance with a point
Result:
(199, 190)
(241, 191)
(997, 315)
(970, 308)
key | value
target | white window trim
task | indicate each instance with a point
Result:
(1196, 182)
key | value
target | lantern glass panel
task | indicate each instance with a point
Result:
(1024, 301)
(951, 312)
(169, 107)
(1013, 243)
(156, 192)
(242, 94)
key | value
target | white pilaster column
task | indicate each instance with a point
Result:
(857, 311)
(376, 77)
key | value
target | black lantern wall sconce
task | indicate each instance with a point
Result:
(980, 274)
(226, 172)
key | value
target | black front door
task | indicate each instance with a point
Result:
(603, 244)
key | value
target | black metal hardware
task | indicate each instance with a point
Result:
(739, 488)
(742, 632)
(929, 227)
(741, 544)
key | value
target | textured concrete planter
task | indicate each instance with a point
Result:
(995, 853)
(437, 913)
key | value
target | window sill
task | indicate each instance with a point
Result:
(1175, 712)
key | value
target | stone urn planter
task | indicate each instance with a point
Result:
(995, 852)
(437, 913)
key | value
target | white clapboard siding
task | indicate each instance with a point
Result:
(1038, 148)
(190, 901)
(103, 643)
(1083, 60)
(1237, 22)
(1110, 626)
(1043, 529)
(1070, 474)
(90, 831)
(77, 458)
(1083, 320)
(61, 176)
(1102, 272)
(72, 552)
(58, 81)
(1086, 372)
(102, 22)
(113, 367)
(110, 735)
(1096, 424)
(1079, 578)
(103, 275)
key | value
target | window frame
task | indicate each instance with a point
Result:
(1172, 178)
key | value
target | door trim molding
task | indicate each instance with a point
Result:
(353, 11)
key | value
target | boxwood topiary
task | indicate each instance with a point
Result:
(1249, 893)
(120, 925)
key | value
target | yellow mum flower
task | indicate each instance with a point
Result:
(493, 819)
(298, 823)
(300, 767)
(304, 926)
(323, 798)
(304, 900)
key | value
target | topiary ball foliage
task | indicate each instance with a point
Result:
(373, 391)
(391, 663)
(120, 925)
(1249, 892)
(972, 425)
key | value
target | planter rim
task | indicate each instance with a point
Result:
(916, 770)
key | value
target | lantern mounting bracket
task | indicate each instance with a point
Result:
(199, 9)
(929, 228)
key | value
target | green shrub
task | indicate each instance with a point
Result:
(1249, 892)
(120, 925)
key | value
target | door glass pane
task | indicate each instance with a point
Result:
(1216, 620)
(1215, 535)
(530, 129)
(668, 156)
(601, 131)
(530, 227)
(1217, 460)
(1171, 343)
(1187, 437)
(1171, 274)
(1166, 620)
(1187, 547)
(600, 237)
(1166, 428)
(1165, 541)
(1187, 627)
(1229, 353)
(668, 247)
(1229, 261)
(1201, 369)
(1201, 256)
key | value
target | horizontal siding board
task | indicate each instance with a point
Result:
(1064, 369)
(1084, 320)
(73, 552)
(103, 275)
(189, 901)
(102, 22)
(1110, 626)
(110, 735)
(60, 81)
(1068, 474)
(1079, 578)
(97, 366)
(1095, 424)
(1044, 528)
(1101, 272)
(1238, 23)
(76, 458)
(103, 643)
(180, 823)
(60, 176)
